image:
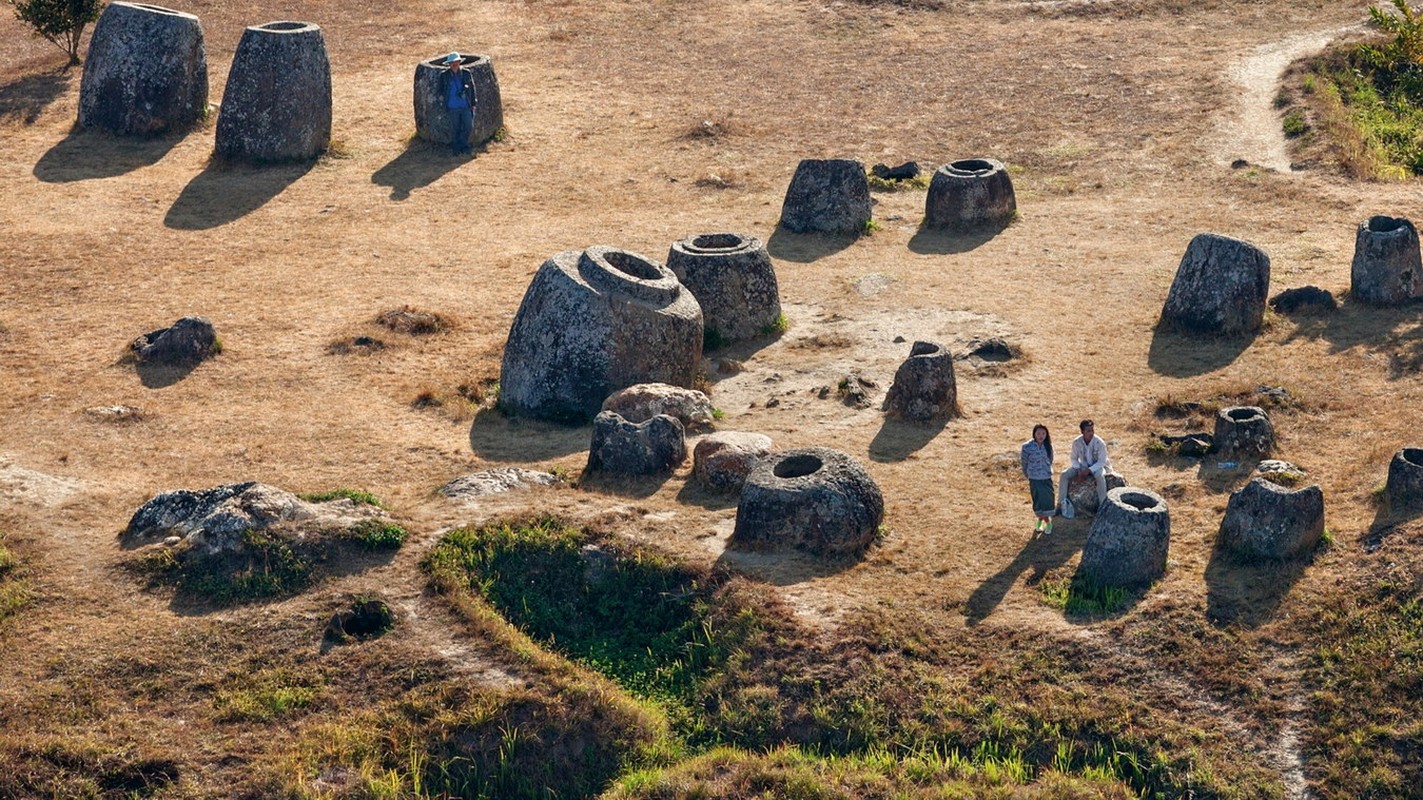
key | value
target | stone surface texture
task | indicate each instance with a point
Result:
(974, 194)
(1386, 266)
(813, 499)
(496, 481)
(1404, 489)
(732, 277)
(594, 322)
(827, 196)
(620, 447)
(1128, 541)
(721, 461)
(1220, 287)
(1244, 433)
(432, 121)
(644, 401)
(146, 73)
(1083, 492)
(1266, 520)
(187, 342)
(277, 104)
(924, 388)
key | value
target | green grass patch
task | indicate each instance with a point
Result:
(355, 495)
(376, 534)
(1080, 598)
(265, 696)
(777, 326)
(919, 182)
(267, 567)
(14, 589)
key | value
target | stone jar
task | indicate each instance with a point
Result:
(147, 71)
(924, 387)
(620, 447)
(1244, 433)
(277, 105)
(1083, 492)
(1404, 489)
(813, 499)
(1128, 540)
(432, 121)
(1266, 520)
(1386, 264)
(970, 195)
(827, 196)
(1220, 287)
(734, 282)
(594, 322)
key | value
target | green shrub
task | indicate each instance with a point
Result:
(777, 326)
(1294, 124)
(61, 22)
(355, 495)
(376, 534)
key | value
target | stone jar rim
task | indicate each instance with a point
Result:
(611, 269)
(285, 27)
(149, 8)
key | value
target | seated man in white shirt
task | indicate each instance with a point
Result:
(1089, 457)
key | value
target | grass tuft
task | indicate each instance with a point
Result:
(355, 495)
(376, 534)
(777, 326)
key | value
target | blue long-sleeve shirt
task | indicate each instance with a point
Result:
(1037, 465)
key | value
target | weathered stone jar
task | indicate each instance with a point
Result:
(1244, 433)
(970, 195)
(1220, 287)
(732, 277)
(814, 499)
(1404, 488)
(1386, 264)
(594, 322)
(827, 196)
(147, 71)
(924, 387)
(1128, 540)
(620, 447)
(277, 105)
(1266, 520)
(432, 121)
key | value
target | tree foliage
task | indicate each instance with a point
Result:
(60, 21)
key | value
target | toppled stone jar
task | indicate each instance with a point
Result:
(732, 277)
(432, 121)
(827, 196)
(973, 194)
(147, 71)
(277, 104)
(1220, 287)
(813, 499)
(594, 322)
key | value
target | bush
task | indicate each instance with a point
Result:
(59, 21)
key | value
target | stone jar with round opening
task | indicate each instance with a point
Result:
(924, 386)
(732, 277)
(594, 322)
(827, 196)
(1404, 489)
(1386, 266)
(1128, 540)
(1269, 521)
(813, 499)
(1244, 433)
(147, 71)
(1220, 287)
(974, 194)
(432, 120)
(277, 104)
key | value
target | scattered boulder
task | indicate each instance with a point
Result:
(971, 195)
(732, 277)
(924, 387)
(827, 196)
(721, 461)
(1128, 540)
(147, 71)
(854, 390)
(619, 447)
(907, 171)
(1083, 492)
(365, 619)
(432, 121)
(1193, 445)
(1244, 433)
(1404, 489)
(644, 401)
(991, 349)
(187, 342)
(813, 499)
(261, 124)
(496, 481)
(1281, 472)
(118, 414)
(1220, 287)
(1266, 520)
(1305, 299)
(1386, 268)
(593, 322)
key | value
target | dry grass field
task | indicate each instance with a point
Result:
(1119, 121)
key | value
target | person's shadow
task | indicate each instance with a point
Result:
(226, 191)
(90, 154)
(420, 165)
(1041, 554)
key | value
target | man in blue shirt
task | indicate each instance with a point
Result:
(457, 87)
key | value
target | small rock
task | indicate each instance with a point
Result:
(773, 402)
(906, 171)
(644, 401)
(496, 481)
(722, 460)
(1304, 299)
(187, 342)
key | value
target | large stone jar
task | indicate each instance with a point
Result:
(970, 195)
(147, 71)
(1128, 540)
(1266, 520)
(1404, 489)
(432, 121)
(1244, 433)
(813, 499)
(277, 105)
(924, 387)
(733, 280)
(827, 196)
(594, 322)
(1220, 287)
(1386, 264)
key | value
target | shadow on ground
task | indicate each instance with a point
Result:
(26, 98)
(1040, 555)
(1245, 592)
(1179, 355)
(932, 242)
(636, 487)
(806, 247)
(497, 437)
(224, 192)
(693, 493)
(90, 154)
(420, 165)
(897, 439)
(161, 376)
(783, 569)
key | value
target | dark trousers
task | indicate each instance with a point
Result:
(462, 119)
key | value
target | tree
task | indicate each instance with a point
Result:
(59, 21)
